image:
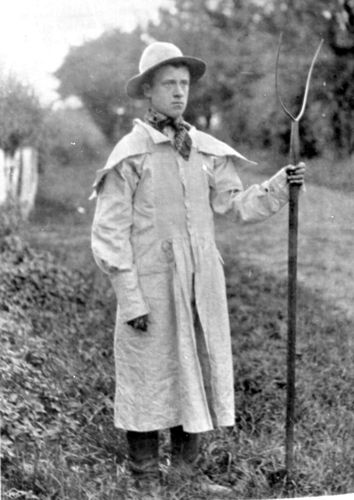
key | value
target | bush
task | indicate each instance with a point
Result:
(55, 364)
(71, 136)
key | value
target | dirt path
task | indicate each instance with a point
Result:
(326, 244)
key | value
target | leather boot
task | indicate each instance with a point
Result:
(184, 455)
(184, 446)
(144, 458)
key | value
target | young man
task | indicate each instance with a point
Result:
(153, 234)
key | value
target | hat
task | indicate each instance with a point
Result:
(159, 54)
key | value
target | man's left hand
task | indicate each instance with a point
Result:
(296, 173)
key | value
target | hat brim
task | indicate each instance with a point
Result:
(197, 67)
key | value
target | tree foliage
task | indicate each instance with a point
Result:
(71, 136)
(21, 115)
(97, 72)
(238, 39)
(330, 117)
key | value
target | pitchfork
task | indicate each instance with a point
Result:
(294, 155)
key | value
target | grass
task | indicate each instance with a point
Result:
(63, 213)
(57, 363)
(327, 171)
(324, 418)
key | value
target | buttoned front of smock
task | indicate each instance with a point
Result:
(153, 234)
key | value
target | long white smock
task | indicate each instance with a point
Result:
(153, 233)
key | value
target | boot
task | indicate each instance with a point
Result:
(144, 459)
(184, 455)
(184, 446)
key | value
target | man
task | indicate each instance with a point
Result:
(153, 234)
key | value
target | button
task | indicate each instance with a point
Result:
(166, 246)
(167, 252)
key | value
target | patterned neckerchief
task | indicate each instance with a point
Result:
(182, 140)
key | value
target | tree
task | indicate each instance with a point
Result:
(97, 72)
(91, 70)
(332, 109)
(71, 136)
(21, 115)
(238, 39)
(340, 72)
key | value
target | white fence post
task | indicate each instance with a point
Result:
(12, 173)
(27, 188)
(19, 178)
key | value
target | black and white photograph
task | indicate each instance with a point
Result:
(177, 249)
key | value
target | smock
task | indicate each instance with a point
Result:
(153, 234)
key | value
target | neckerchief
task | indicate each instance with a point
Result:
(182, 140)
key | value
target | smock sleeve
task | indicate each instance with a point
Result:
(111, 232)
(254, 204)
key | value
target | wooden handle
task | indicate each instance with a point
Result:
(291, 342)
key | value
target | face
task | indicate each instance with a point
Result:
(168, 92)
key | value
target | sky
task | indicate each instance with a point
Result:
(35, 35)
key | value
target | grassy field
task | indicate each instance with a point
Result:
(56, 321)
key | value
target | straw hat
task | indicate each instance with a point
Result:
(159, 54)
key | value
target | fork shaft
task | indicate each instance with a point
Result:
(292, 300)
(291, 342)
(294, 153)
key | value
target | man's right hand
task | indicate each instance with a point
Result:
(139, 323)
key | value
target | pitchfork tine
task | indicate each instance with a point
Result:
(285, 109)
(307, 86)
